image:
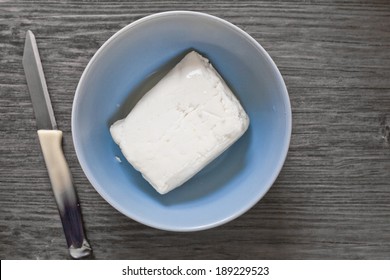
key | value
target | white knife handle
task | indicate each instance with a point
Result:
(64, 192)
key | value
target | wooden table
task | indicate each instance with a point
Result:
(332, 198)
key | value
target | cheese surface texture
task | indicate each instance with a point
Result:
(184, 122)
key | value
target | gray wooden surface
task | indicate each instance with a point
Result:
(332, 198)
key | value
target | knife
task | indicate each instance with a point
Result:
(50, 139)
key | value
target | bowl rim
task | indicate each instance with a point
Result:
(245, 207)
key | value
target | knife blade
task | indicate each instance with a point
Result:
(50, 139)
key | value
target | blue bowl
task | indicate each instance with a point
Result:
(129, 64)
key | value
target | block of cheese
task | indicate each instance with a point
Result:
(184, 122)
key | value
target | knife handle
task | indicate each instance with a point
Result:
(64, 192)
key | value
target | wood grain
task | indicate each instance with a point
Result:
(332, 198)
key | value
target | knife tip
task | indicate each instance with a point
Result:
(29, 43)
(29, 33)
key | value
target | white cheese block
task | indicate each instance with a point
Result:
(184, 122)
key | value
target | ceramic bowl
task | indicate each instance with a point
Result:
(129, 64)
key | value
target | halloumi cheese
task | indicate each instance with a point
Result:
(183, 123)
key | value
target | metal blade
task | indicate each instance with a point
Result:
(37, 84)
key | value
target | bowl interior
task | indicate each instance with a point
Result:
(129, 64)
